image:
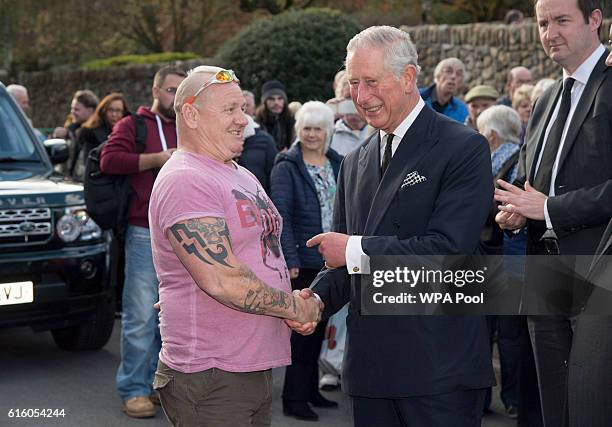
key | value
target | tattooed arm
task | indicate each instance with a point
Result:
(204, 247)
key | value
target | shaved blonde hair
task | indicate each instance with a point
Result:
(194, 81)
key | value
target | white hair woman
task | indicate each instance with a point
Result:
(501, 125)
(303, 188)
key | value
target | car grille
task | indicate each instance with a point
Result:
(25, 226)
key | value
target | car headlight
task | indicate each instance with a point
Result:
(75, 224)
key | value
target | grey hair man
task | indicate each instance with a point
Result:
(249, 97)
(224, 285)
(516, 77)
(20, 93)
(478, 99)
(21, 96)
(375, 216)
(449, 76)
(350, 129)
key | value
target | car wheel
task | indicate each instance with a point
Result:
(92, 333)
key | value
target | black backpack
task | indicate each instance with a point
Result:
(108, 196)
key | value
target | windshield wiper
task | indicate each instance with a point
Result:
(16, 159)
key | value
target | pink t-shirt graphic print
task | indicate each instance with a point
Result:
(256, 209)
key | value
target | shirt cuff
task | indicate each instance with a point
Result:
(546, 216)
(357, 262)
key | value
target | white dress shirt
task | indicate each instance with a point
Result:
(581, 75)
(357, 262)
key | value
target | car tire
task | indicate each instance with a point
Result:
(90, 334)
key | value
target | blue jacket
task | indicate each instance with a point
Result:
(455, 109)
(258, 155)
(293, 192)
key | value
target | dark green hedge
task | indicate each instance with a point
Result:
(303, 49)
(153, 58)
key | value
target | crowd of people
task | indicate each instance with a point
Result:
(252, 225)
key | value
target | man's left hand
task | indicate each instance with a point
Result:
(528, 202)
(332, 247)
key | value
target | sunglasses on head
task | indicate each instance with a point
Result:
(221, 76)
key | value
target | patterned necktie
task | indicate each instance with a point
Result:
(387, 155)
(544, 173)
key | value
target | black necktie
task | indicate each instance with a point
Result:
(386, 156)
(544, 173)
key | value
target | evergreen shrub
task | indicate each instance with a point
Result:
(303, 49)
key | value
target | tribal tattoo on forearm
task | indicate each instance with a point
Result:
(261, 297)
(207, 240)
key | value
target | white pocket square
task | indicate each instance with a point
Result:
(413, 178)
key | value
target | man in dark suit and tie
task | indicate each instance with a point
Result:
(564, 197)
(421, 185)
(590, 363)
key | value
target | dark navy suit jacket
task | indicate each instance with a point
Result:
(404, 356)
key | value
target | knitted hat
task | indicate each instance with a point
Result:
(481, 91)
(271, 88)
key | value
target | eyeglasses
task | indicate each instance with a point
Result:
(221, 76)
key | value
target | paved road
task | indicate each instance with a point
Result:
(35, 374)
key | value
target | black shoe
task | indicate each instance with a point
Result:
(330, 387)
(299, 410)
(512, 411)
(318, 401)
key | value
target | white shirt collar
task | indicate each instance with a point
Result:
(403, 127)
(583, 72)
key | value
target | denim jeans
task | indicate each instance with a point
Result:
(140, 339)
(509, 328)
(509, 344)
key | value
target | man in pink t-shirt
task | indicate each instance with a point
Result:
(223, 283)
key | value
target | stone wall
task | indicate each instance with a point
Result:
(51, 92)
(488, 50)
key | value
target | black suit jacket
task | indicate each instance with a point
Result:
(402, 356)
(582, 205)
(599, 302)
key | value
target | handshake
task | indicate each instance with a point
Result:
(309, 310)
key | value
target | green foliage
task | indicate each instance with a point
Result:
(445, 14)
(468, 11)
(273, 6)
(115, 61)
(303, 49)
